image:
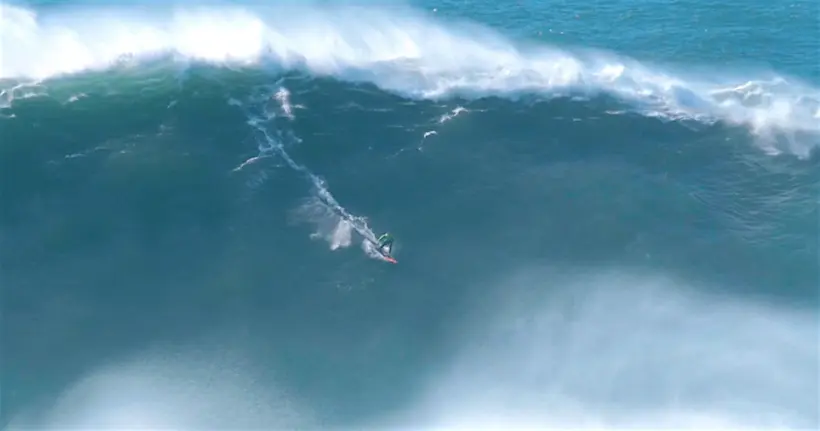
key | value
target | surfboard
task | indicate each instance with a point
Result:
(384, 256)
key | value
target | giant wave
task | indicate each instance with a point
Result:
(155, 155)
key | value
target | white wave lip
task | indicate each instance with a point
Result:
(399, 50)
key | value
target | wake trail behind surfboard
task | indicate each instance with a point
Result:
(270, 145)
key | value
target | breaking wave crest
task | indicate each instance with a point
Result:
(401, 50)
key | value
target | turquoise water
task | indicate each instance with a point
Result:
(606, 215)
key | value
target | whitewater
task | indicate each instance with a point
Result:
(400, 50)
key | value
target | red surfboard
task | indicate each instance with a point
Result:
(386, 257)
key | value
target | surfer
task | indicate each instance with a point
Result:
(386, 243)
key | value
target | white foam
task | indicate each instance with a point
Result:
(399, 50)
(162, 389)
(622, 351)
(545, 350)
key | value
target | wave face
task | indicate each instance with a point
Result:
(584, 238)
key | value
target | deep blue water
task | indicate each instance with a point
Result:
(606, 215)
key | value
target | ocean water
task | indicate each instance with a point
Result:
(606, 215)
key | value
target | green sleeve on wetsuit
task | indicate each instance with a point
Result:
(385, 238)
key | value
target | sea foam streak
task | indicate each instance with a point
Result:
(403, 51)
(323, 208)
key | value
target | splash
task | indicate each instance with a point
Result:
(335, 230)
